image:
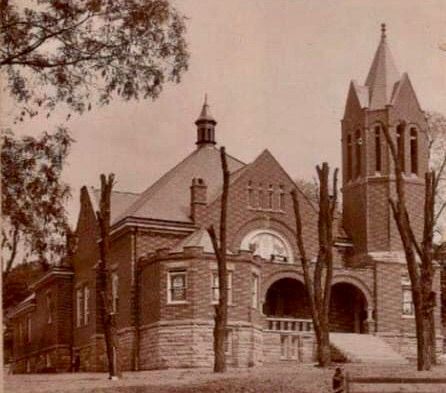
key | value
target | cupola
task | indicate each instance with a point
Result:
(205, 126)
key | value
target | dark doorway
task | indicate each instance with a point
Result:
(348, 309)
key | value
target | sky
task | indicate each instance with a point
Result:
(276, 73)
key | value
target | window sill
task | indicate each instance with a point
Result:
(216, 304)
(177, 303)
(266, 210)
(408, 316)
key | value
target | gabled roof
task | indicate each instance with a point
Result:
(382, 76)
(169, 197)
(119, 201)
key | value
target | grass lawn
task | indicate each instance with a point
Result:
(267, 379)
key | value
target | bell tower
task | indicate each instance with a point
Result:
(387, 99)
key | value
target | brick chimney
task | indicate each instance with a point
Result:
(198, 200)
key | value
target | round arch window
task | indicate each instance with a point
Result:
(269, 245)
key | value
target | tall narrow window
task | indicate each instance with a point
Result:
(408, 308)
(270, 196)
(349, 158)
(281, 198)
(216, 288)
(28, 329)
(176, 287)
(413, 151)
(261, 197)
(378, 160)
(400, 143)
(79, 307)
(86, 304)
(20, 332)
(49, 307)
(115, 292)
(251, 200)
(255, 291)
(358, 141)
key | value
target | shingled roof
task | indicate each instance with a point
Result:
(169, 197)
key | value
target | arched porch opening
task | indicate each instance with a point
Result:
(348, 309)
(287, 298)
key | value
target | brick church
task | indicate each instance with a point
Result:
(164, 277)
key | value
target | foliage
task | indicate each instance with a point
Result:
(309, 190)
(33, 196)
(437, 160)
(80, 52)
(16, 288)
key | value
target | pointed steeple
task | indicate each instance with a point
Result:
(205, 126)
(382, 76)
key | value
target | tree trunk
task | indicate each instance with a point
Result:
(323, 347)
(104, 279)
(221, 310)
(319, 287)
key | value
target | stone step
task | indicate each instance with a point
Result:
(365, 348)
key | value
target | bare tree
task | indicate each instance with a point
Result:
(419, 254)
(318, 278)
(104, 279)
(221, 309)
(437, 157)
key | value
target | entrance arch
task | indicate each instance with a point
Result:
(348, 309)
(287, 298)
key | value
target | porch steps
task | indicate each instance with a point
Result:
(364, 348)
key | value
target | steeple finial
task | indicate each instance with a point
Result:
(205, 125)
(383, 31)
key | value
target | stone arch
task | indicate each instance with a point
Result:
(286, 297)
(358, 283)
(350, 305)
(272, 278)
(265, 223)
(273, 236)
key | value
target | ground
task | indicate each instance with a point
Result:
(268, 379)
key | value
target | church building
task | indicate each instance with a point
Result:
(164, 271)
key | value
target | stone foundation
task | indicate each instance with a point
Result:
(406, 344)
(47, 360)
(185, 345)
(298, 347)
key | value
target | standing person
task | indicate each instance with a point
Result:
(76, 362)
(338, 381)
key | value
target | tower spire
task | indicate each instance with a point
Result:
(383, 31)
(205, 125)
(383, 74)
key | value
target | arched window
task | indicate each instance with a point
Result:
(413, 151)
(349, 158)
(378, 158)
(358, 141)
(269, 245)
(400, 144)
